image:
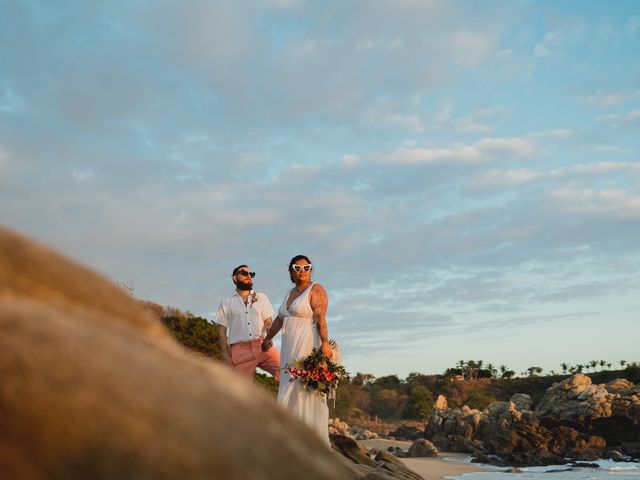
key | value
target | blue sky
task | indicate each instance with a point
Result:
(464, 175)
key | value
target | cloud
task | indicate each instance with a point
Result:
(614, 202)
(483, 150)
(610, 99)
(503, 178)
(627, 118)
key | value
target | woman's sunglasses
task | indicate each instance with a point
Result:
(246, 273)
(301, 268)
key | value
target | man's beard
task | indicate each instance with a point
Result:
(243, 285)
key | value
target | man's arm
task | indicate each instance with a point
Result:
(225, 349)
(319, 301)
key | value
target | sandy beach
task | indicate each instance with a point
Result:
(434, 468)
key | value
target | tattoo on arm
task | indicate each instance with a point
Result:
(319, 301)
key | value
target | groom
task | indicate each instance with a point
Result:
(243, 320)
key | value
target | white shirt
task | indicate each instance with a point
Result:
(244, 322)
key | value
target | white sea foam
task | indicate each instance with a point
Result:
(608, 470)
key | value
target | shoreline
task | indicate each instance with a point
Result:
(430, 468)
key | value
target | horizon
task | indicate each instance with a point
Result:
(464, 177)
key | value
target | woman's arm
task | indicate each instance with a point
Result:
(273, 331)
(319, 301)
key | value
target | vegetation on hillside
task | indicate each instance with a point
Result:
(389, 398)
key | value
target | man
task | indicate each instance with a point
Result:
(243, 320)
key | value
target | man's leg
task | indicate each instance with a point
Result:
(270, 362)
(243, 359)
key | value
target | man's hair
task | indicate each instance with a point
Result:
(235, 270)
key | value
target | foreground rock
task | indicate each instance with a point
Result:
(384, 466)
(575, 419)
(94, 387)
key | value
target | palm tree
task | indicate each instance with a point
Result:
(592, 364)
(602, 364)
(622, 363)
(565, 367)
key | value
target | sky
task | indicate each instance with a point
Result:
(465, 176)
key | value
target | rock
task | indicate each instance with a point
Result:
(616, 429)
(93, 386)
(621, 386)
(574, 398)
(615, 455)
(386, 457)
(522, 401)
(407, 432)
(632, 449)
(441, 403)
(360, 433)
(351, 449)
(422, 448)
(339, 427)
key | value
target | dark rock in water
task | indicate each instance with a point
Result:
(584, 465)
(632, 448)
(616, 429)
(615, 455)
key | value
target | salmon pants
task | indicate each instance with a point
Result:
(246, 356)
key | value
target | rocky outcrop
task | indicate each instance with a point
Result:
(575, 398)
(94, 387)
(575, 419)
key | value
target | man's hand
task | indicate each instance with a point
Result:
(226, 357)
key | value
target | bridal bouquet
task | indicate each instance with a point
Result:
(317, 373)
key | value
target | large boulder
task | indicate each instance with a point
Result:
(575, 398)
(95, 387)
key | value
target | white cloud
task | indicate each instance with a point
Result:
(609, 99)
(561, 133)
(483, 150)
(597, 168)
(476, 120)
(549, 44)
(614, 202)
(503, 178)
(472, 48)
(624, 118)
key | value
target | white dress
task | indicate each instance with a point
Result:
(299, 336)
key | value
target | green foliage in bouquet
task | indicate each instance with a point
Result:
(317, 373)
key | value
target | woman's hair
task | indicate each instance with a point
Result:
(294, 260)
(298, 257)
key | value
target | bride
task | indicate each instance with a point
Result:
(302, 320)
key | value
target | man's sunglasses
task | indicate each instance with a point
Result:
(301, 268)
(246, 273)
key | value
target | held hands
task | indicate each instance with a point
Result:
(266, 345)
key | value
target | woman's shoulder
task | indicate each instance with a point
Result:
(318, 289)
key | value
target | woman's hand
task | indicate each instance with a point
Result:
(325, 348)
(266, 345)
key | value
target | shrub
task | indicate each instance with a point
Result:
(419, 404)
(480, 399)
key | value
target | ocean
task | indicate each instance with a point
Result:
(608, 470)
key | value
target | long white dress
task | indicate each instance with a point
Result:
(299, 336)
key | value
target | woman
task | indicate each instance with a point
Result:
(302, 319)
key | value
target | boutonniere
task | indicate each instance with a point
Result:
(253, 298)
